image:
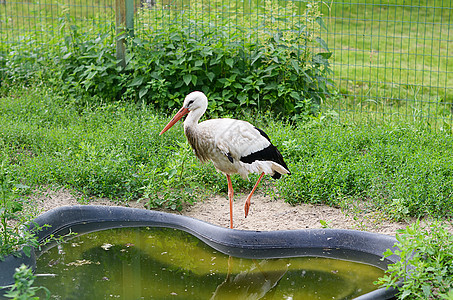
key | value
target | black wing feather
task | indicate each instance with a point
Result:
(270, 153)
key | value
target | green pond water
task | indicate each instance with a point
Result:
(162, 263)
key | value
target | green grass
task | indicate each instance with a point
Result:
(115, 151)
(392, 59)
(398, 169)
(107, 151)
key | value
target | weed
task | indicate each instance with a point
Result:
(12, 238)
(23, 288)
(325, 224)
(426, 253)
(401, 171)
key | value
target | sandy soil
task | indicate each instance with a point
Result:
(265, 213)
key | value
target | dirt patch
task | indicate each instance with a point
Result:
(268, 214)
(265, 214)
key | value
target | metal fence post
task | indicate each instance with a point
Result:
(124, 10)
(130, 17)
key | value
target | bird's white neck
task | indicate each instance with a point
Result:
(193, 117)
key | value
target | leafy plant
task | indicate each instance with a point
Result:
(325, 224)
(282, 66)
(12, 238)
(425, 265)
(167, 187)
(87, 61)
(23, 288)
(16, 232)
(279, 71)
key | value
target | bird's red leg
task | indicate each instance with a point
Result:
(247, 202)
(230, 196)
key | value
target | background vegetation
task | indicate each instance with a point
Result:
(279, 71)
(391, 61)
(114, 151)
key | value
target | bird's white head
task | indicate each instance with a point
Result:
(196, 100)
(195, 103)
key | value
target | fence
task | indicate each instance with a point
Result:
(392, 60)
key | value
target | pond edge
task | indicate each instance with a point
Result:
(333, 243)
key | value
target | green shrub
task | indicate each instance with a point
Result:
(282, 66)
(256, 78)
(23, 288)
(12, 237)
(274, 68)
(425, 266)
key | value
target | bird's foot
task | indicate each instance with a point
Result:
(247, 207)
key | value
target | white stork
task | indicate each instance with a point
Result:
(233, 146)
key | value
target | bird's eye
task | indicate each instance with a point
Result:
(190, 103)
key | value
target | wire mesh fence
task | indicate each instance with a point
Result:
(38, 22)
(391, 60)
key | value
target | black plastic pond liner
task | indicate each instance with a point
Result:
(358, 246)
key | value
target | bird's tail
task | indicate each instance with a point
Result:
(279, 170)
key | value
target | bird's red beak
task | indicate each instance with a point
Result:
(181, 113)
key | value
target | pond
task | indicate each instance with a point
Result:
(164, 263)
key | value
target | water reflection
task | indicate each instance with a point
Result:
(253, 283)
(151, 263)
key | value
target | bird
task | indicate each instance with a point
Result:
(233, 146)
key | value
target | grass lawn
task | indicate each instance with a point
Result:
(392, 59)
(114, 151)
